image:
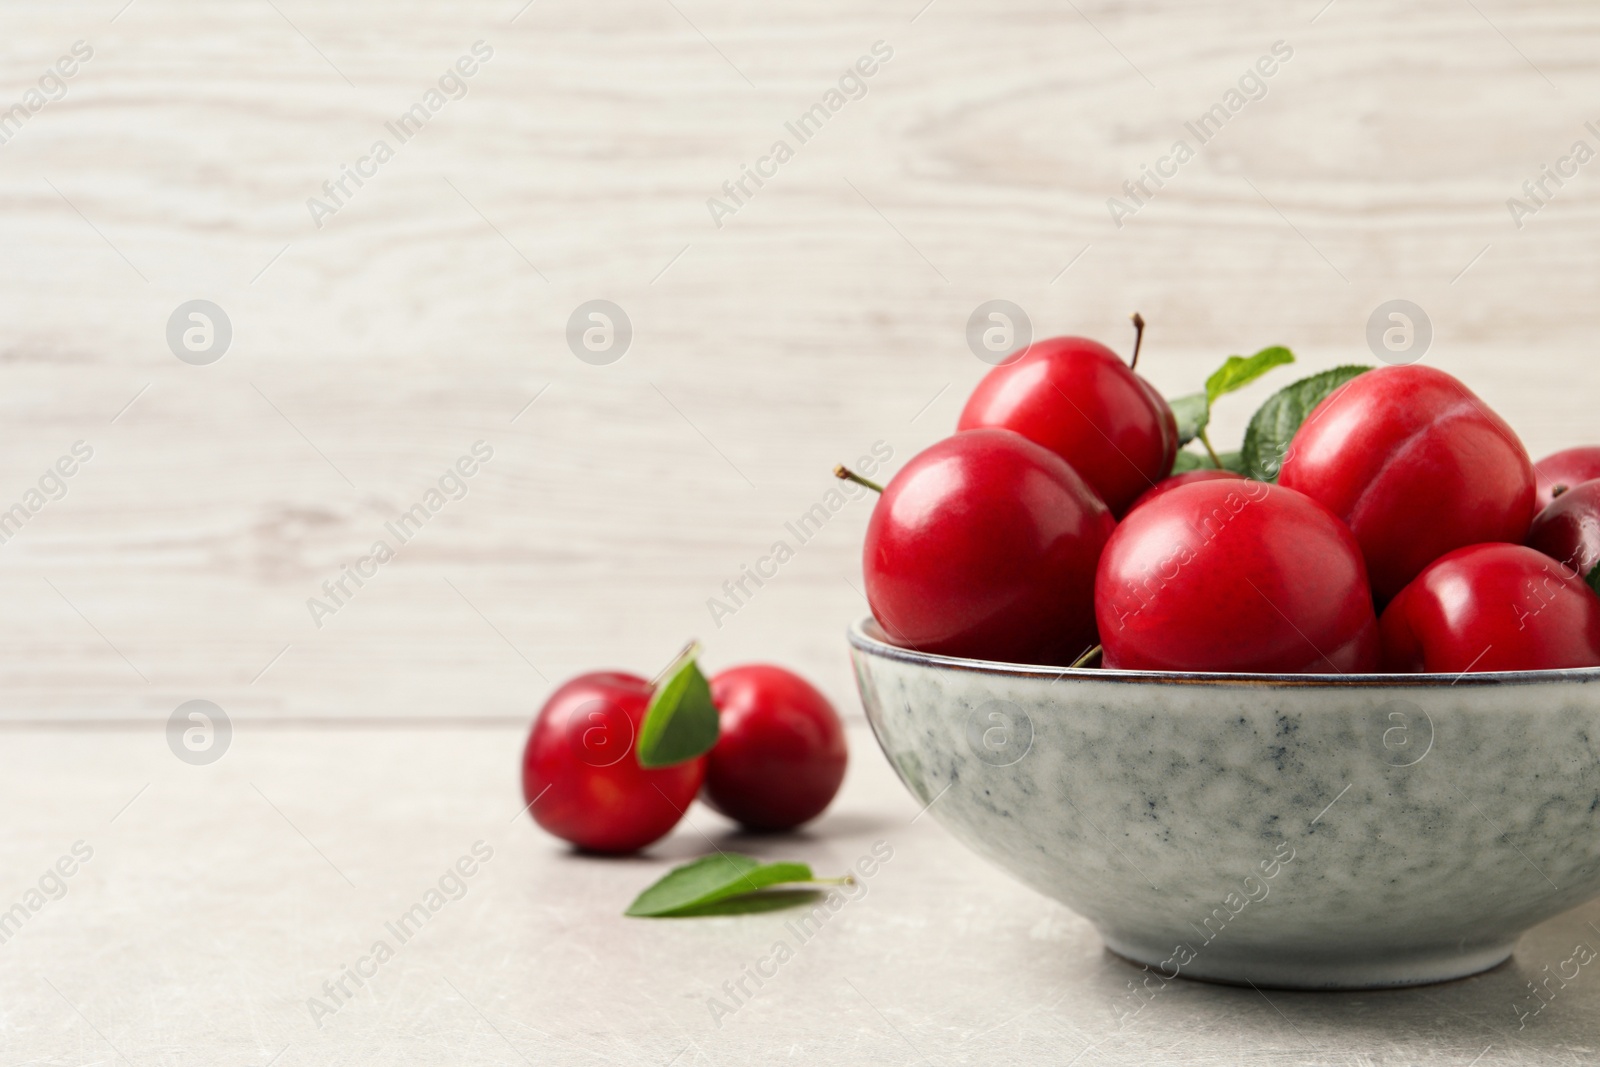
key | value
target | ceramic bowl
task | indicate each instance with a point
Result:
(1294, 831)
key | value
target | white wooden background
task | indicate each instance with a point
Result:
(807, 327)
(829, 313)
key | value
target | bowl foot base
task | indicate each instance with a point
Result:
(1382, 968)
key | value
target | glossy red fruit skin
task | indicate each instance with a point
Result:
(580, 775)
(1236, 576)
(1416, 465)
(984, 546)
(1078, 398)
(780, 755)
(1568, 531)
(1167, 485)
(1492, 607)
(1569, 467)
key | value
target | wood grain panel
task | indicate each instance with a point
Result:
(826, 314)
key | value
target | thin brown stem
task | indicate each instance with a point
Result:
(846, 474)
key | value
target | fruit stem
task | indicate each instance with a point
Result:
(1138, 338)
(1557, 490)
(846, 474)
(688, 652)
(848, 879)
(1209, 450)
(1085, 659)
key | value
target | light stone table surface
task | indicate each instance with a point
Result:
(372, 345)
(221, 898)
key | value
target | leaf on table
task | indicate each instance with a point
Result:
(750, 903)
(1273, 426)
(681, 721)
(1193, 412)
(713, 879)
(1240, 371)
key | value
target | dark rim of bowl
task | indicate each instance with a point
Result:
(867, 637)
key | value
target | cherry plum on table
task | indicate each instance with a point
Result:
(580, 775)
(780, 754)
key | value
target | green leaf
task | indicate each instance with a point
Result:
(1193, 413)
(1240, 371)
(1273, 426)
(1232, 461)
(711, 879)
(1593, 578)
(750, 903)
(681, 721)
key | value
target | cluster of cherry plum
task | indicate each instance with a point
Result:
(1376, 519)
(614, 761)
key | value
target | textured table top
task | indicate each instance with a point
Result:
(380, 329)
(218, 900)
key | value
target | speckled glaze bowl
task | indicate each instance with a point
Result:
(1292, 831)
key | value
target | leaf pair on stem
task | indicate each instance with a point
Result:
(1271, 428)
